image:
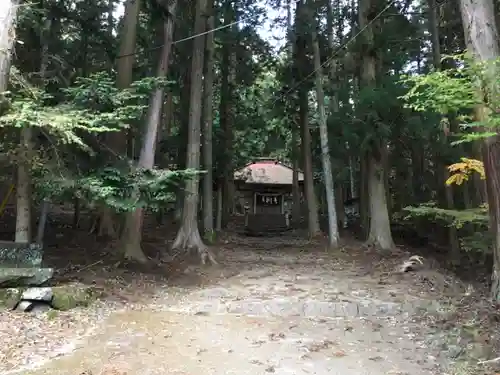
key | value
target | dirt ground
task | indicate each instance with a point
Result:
(274, 305)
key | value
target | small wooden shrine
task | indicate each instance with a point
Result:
(263, 189)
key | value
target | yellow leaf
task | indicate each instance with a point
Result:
(457, 167)
(461, 177)
(451, 180)
(464, 169)
(457, 179)
(478, 169)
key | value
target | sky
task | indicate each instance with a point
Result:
(269, 31)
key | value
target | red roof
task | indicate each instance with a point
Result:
(267, 171)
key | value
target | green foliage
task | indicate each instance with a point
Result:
(477, 242)
(444, 92)
(473, 224)
(455, 91)
(113, 107)
(123, 190)
(91, 107)
(63, 121)
(455, 218)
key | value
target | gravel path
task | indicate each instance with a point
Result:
(281, 312)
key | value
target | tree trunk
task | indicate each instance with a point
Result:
(380, 227)
(478, 18)
(364, 207)
(8, 17)
(23, 189)
(184, 103)
(380, 230)
(218, 216)
(110, 29)
(479, 186)
(333, 231)
(334, 95)
(352, 178)
(441, 168)
(117, 141)
(310, 196)
(434, 31)
(188, 237)
(208, 188)
(132, 234)
(387, 168)
(226, 114)
(340, 209)
(417, 172)
(353, 158)
(296, 211)
(125, 64)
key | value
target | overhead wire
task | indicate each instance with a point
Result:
(186, 38)
(439, 3)
(335, 53)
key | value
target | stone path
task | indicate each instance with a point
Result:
(281, 313)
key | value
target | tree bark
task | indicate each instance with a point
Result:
(441, 167)
(208, 188)
(310, 195)
(125, 64)
(478, 18)
(188, 237)
(364, 206)
(228, 71)
(333, 231)
(380, 230)
(184, 103)
(23, 189)
(8, 18)
(340, 208)
(479, 186)
(296, 211)
(218, 216)
(117, 141)
(132, 234)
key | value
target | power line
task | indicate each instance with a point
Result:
(379, 14)
(185, 39)
(438, 4)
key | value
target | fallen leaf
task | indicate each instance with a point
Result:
(339, 353)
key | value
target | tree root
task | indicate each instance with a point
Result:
(134, 253)
(374, 244)
(189, 243)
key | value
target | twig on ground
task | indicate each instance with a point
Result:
(88, 266)
(494, 360)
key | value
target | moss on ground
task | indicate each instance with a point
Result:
(68, 297)
(10, 296)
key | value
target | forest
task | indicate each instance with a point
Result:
(389, 102)
(125, 123)
(392, 103)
